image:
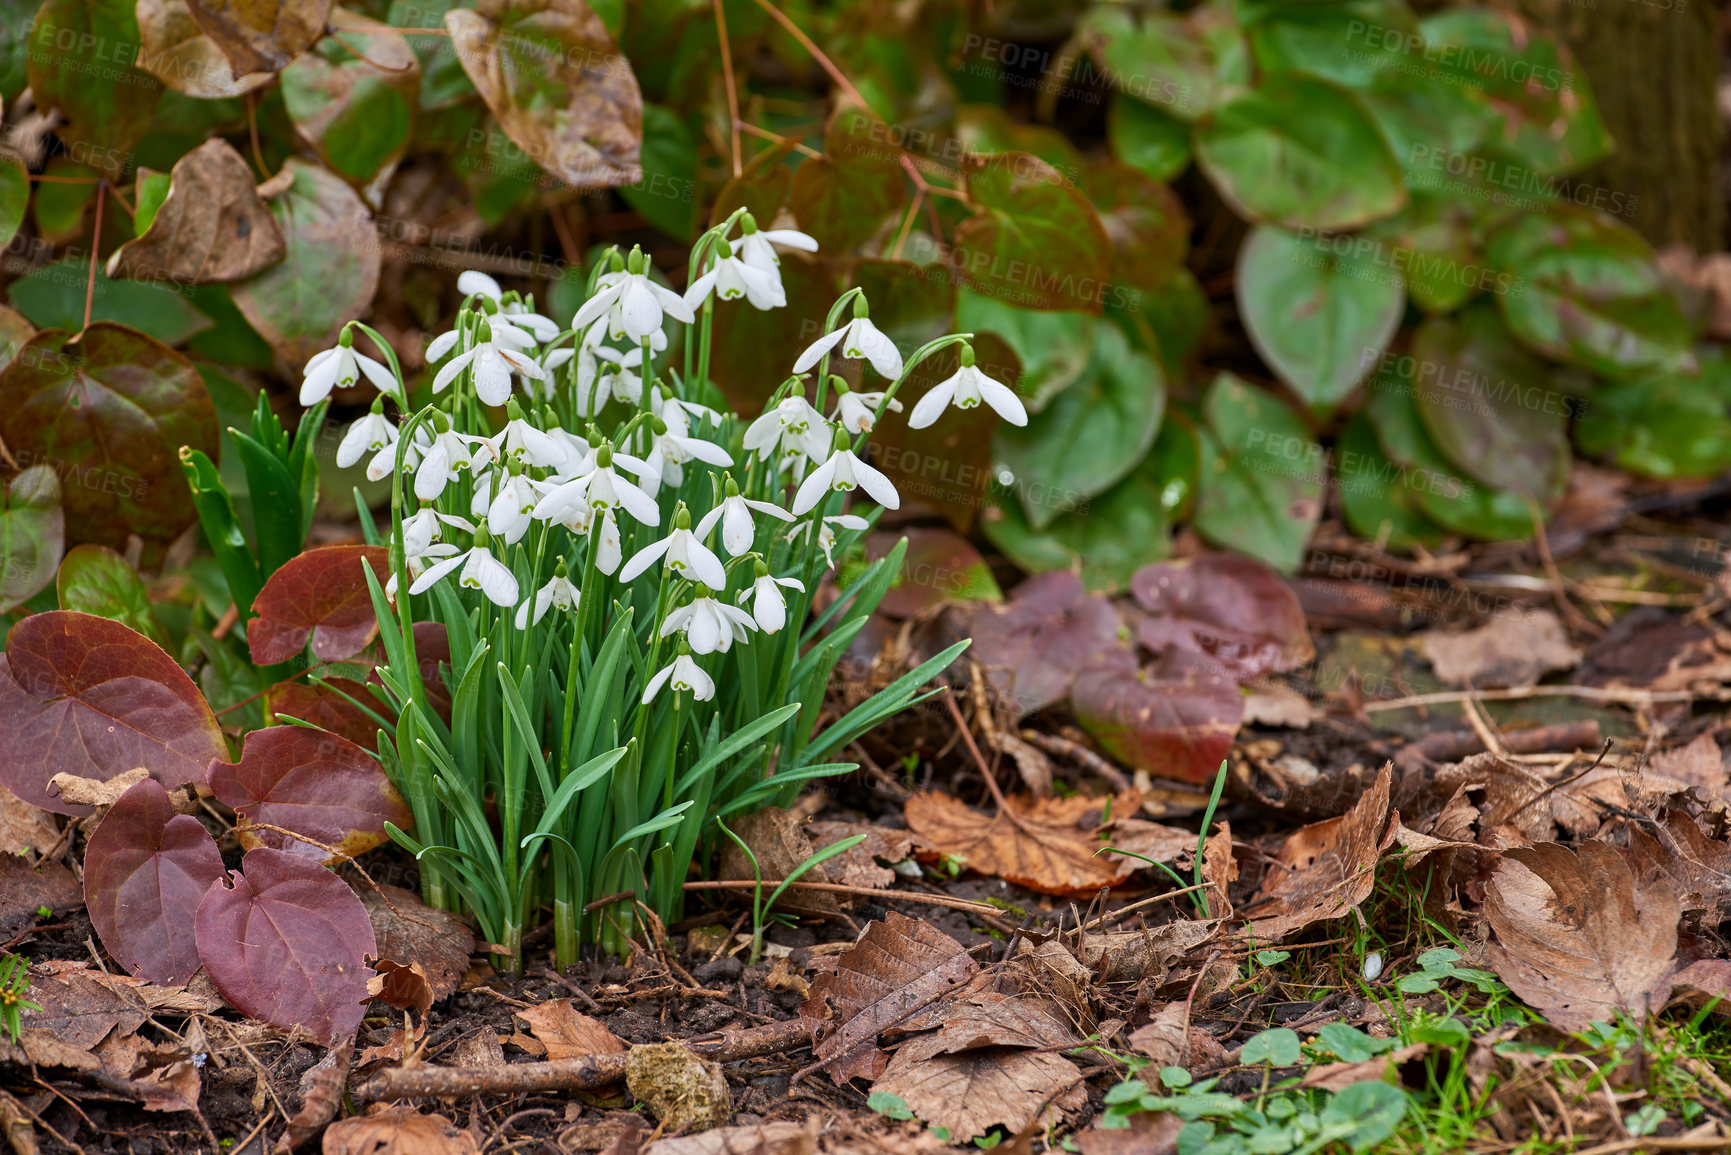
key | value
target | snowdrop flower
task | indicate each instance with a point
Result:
(481, 571)
(687, 677)
(385, 460)
(521, 441)
(426, 526)
(841, 473)
(601, 488)
(758, 248)
(793, 426)
(730, 278)
(857, 412)
(633, 304)
(494, 359)
(709, 626)
(515, 312)
(608, 551)
(368, 435)
(604, 372)
(768, 603)
(509, 511)
(340, 367)
(686, 556)
(450, 454)
(557, 592)
(826, 535)
(859, 339)
(966, 388)
(671, 447)
(734, 514)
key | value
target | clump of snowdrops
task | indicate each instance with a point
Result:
(625, 573)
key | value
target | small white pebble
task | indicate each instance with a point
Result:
(1372, 966)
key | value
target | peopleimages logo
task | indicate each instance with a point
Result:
(1482, 63)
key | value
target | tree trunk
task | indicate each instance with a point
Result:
(1653, 66)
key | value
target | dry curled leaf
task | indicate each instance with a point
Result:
(861, 865)
(403, 987)
(24, 827)
(1325, 869)
(779, 846)
(398, 1131)
(1164, 1038)
(261, 35)
(567, 1032)
(1515, 648)
(990, 1019)
(557, 83)
(211, 227)
(977, 1090)
(1045, 844)
(1578, 937)
(410, 932)
(1699, 764)
(897, 968)
(176, 51)
(321, 1091)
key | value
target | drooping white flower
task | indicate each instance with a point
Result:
(841, 473)
(758, 248)
(481, 571)
(687, 677)
(730, 277)
(370, 434)
(516, 314)
(426, 526)
(859, 340)
(608, 550)
(509, 512)
(709, 626)
(857, 412)
(600, 487)
(634, 305)
(966, 388)
(768, 603)
(495, 359)
(522, 441)
(339, 367)
(793, 426)
(450, 454)
(385, 460)
(734, 514)
(671, 446)
(558, 592)
(686, 556)
(826, 535)
(605, 373)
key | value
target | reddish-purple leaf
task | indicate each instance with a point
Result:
(325, 705)
(940, 566)
(90, 697)
(1231, 609)
(1174, 721)
(1032, 648)
(321, 594)
(287, 944)
(316, 784)
(145, 872)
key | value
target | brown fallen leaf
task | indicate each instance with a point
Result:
(1699, 764)
(1578, 938)
(39, 1048)
(757, 1139)
(1515, 648)
(567, 1032)
(1697, 867)
(398, 1131)
(162, 1073)
(1045, 844)
(1165, 1037)
(1174, 719)
(977, 1090)
(898, 967)
(403, 987)
(17, 1126)
(1150, 839)
(261, 35)
(1654, 649)
(861, 865)
(81, 1005)
(25, 828)
(990, 1019)
(779, 846)
(1702, 980)
(1334, 1077)
(558, 85)
(1219, 871)
(1125, 955)
(1324, 870)
(321, 1089)
(175, 50)
(1149, 1133)
(212, 226)
(411, 933)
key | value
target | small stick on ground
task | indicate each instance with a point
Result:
(584, 1073)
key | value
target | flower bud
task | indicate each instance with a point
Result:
(682, 517)
(747, 224)
(860, 308)
(967, 355)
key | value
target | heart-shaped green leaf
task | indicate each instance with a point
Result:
(1182, 65)
(1667, 425)
(354, 96)
(1262, 475)
(81, 54)
(1416, 465)
(1300, 152)
(1146, 138)
(1145, 220)
(95, 580)
(1318, 308)
(1033, 240)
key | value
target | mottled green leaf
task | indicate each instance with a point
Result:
(81, 54)
(32, 535)
(1034, 240)
(96, 580)
(1262, 475)
(353, 96)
